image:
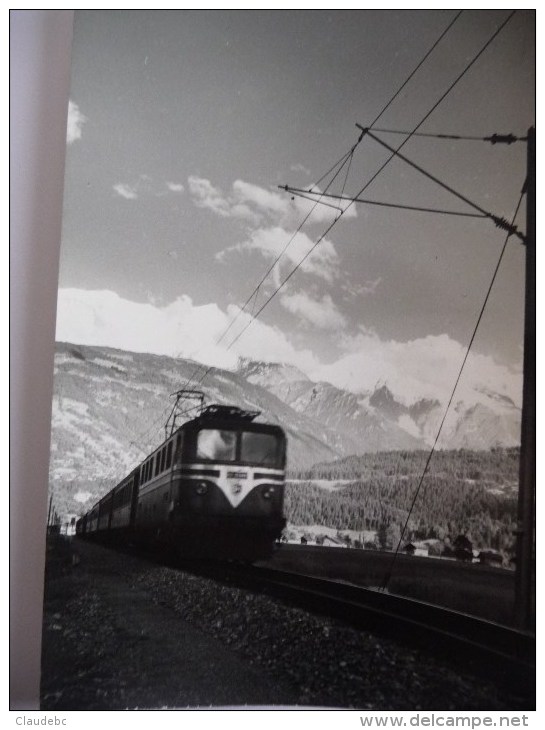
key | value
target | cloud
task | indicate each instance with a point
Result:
(287, 210)
(265, 201)
(322, 211)
(205, 195)
(145, 185)
(175, 187)
(262, 206)
(75, 123)
(422, 368)
(179, 329)
(323, 262)
(126, 191)
(322, 313)
(300, 168)
(367, 287)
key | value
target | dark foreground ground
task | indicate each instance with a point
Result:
(122, 633)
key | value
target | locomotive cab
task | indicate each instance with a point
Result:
(213, 488)
(232, 480)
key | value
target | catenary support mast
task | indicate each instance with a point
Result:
(525, 575)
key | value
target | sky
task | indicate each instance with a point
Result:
(182, 125)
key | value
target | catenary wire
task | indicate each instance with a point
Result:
(493, 139)
(340, 163)
(342, 160)
(409, 77)
(377, 173)
(350, 154)
(468, 349)
(305, 194)
(500, 222)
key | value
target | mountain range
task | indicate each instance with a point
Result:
(378, 421)
(110, 407)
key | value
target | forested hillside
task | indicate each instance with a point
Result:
(495, 468)
(464, 492)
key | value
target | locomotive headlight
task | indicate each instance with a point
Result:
(268, 492)
(202, 488)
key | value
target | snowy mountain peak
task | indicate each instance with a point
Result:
(382, 419)
(270, 373)
(383, 399)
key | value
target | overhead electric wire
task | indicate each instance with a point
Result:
(409, 77)
(500, 222)
(377, 173)
(305, 194)
(432, 451)
(493, 139)
(342, 160)
(347, 172)
(434, 107)
(145, 434)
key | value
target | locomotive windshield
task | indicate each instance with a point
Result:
(217, 445)
(248, 447)
(259, 448)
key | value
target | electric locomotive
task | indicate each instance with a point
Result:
(214, 488)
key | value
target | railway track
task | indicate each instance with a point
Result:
(480, 647)
(484, 647)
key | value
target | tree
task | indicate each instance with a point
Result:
(388, 536)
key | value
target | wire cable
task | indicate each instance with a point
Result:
(342, 160)
(500, 222)
(377, 173)
(493, 139)
(439, 101)
(340, 164)
(409, 77)
(472, 339)
(305, 194)
(404, 84)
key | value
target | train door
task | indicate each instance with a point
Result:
(134, 497)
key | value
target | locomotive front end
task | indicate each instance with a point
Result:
(231, 489)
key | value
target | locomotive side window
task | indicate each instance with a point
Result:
(260, 448)
(163, 457)
(169, 455)
(157, 463)
(216, 445)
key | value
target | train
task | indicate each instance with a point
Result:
(213, 489)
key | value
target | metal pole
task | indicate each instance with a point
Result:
(49, 511)
(525, 567)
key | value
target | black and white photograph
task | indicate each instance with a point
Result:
(293, 420)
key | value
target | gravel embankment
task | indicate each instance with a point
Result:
(120, 632)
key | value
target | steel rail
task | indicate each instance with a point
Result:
(479, 645)
(408, 618)
(476, 646)
(495, 637)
